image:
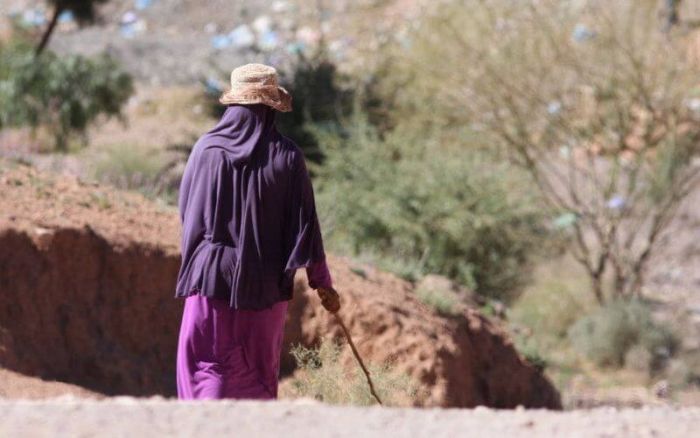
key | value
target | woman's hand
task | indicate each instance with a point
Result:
(329, 299)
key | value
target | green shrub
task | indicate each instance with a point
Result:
(552, 303)
(609, 333)
(62, 94)
(445, 302)
(322, 377)
(441, 208)
(128, 167)
(531, 351)
(588, 97)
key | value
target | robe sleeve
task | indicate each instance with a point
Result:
(185, 185)
(318, 275)
(304, 241)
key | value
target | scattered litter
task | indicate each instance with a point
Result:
(140, 5)
(281, 6)
(268, 41)
(582, 33)
(308, 36)
(212, 86)
(617, 202)
(33, 18)
(130, 25)
(211, 28)
(66, 17)
(554, 107)
(242, 37)
(337, 48)
(220, 41)
(565, 220)
(693, 104)
(262, 24)
(295, 48)
(129, 17)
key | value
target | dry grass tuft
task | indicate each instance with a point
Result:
(323, 377)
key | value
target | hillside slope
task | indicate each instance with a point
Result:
(86, 297)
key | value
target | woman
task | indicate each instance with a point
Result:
(249, 222)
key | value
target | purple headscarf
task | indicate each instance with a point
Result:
(248, 213)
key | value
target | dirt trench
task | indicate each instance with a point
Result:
(77, 310)
(86, 297)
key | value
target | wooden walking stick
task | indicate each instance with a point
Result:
(357, 356)
(330, 300)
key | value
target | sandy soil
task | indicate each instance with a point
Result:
(15, 385)
(159, 417)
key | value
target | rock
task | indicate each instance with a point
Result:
(661, 389)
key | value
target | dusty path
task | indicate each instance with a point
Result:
(125, 416)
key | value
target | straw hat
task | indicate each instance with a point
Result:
(257, 83)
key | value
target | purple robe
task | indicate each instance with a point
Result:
(248, 214)
(227, 353)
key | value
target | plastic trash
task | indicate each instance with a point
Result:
(308, 35)
(130, 25)
(132, 29)
(554, 107)
(66, 17)
(295, 48)
(268, 41)
(693, 104)
(127, 31)
(337, 48)
(617, 202)
(210, 28)
(220, 41)
(565, 220)
(33, 18)
(129, 17)
(212, 86)
(242, 37)
(582, 33)
(281, 6)
(140, 5)
(262, 24)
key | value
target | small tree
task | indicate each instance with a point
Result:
(592, 101)
(60, 94)
(83, 11)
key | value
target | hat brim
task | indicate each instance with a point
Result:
(275, 97)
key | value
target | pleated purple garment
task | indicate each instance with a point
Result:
(248, 213)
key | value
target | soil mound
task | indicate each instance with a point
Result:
(86, 297)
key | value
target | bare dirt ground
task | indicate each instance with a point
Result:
(124, 416)
(16, 385)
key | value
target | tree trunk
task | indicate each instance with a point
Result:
(49, 30)
(597, 283)
(671, 13)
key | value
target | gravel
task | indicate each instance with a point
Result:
(126, 416)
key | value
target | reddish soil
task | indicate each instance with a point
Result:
(86, 297)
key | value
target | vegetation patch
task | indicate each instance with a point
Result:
(322, 376)
(623, 331)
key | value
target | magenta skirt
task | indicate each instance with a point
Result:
(227, 353)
